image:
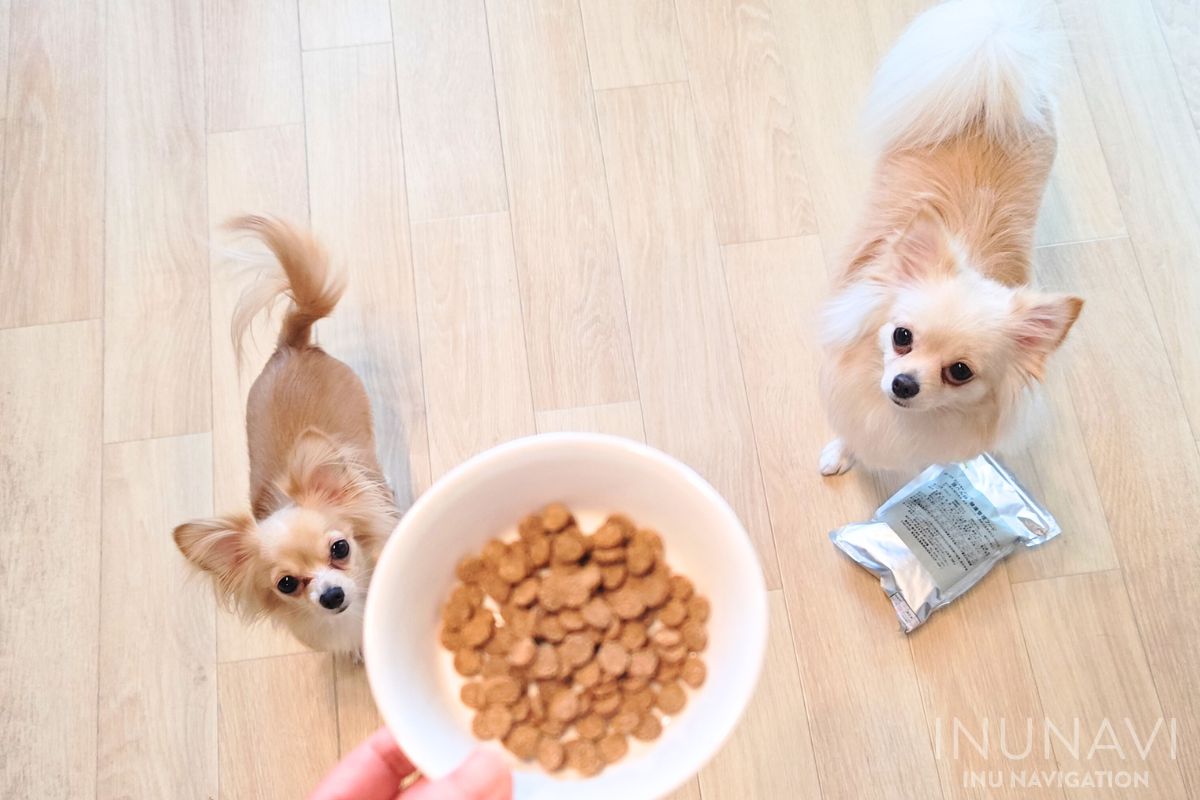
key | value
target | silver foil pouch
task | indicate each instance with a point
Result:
(940, 534)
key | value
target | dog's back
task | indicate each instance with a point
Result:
(301, 385)
(961, 113)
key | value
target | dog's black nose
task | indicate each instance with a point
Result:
(904, 386)
(332, 597)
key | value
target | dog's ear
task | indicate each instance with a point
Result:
(922, 249)
(1040, 322)
(318, 470)
(224, 547)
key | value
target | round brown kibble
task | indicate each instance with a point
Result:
(545, 663)
(493, 666)
(539, 551)
(613, 658)
(643, 663)
(612, 576)
(522, 653)
(649, 537)
(520, 709)
(525, 593)
(641, 701)
(609, 556)
(501, 689)
(606, 687)
(568, 548)
(470, 569)
(531, 526)
(550, 629)
(584, 757)
(591, 577)
(668, 672)
(550, 754)
(501, 642)
(555, 517)
(667, 637)
(633, 635)
(468, 662)
(472, 695)
(496, 587)
(552, 592)
(625, 722)
(672, 698)
(649, 728)
(698, 608)
(681, 587)
(451, 638)
(564, 707)
(588, 675)
(456, 613)
(632, 685)
(523, 741)
(639, 558)
(607, 705)
(655, 588)
(694, 636)
(608, 536)
(493, 722)
(597, 613)
(479, 629)
(613, 748)
(614, 630)
(576, 650)
(592, 726)
(571, 620)
(627, 603)
(694, 672)
(514, 564)
(674, 655)
(553, 727)
(673, 613)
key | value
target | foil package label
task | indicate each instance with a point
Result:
(949, 526)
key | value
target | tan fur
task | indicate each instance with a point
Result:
(945, 248)
(314, 476)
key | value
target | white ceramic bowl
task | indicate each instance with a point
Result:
(411, 676)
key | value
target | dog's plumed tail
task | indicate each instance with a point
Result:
(966, 62)
(306, 278)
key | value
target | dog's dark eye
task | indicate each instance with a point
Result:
(902, 340)
(957, 373)
(339, 549)
(287, 584)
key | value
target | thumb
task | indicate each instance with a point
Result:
(483, 776)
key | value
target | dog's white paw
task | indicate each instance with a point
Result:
(836, 458)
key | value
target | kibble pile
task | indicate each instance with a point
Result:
(571, 642)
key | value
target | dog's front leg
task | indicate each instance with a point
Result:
(836, 458)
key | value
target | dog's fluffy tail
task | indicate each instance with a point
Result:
(964, 63)
(306, 278)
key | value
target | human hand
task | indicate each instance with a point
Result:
(375, 769)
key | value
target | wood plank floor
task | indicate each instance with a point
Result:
(606, 215)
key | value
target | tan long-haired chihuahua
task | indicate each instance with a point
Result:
(320, 510)
(934, 338)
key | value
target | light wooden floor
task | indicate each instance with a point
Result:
(612, 215)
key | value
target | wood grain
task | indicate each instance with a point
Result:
(255, 171)
(342, 23)
(1150, 143)
(615, 419)
(750, 142)
(1179, 21)
(750, 763)
(470, 312)
(357, 716)
(851, 656)
(452, 153)
(278, 726)
(158, 675)
(156, 314)
(692, 395)
(1144, 459)
(1093, 673)
(252, 64)
(53, 164)
(356, 190)
(50, 548)
(5, 10)
(632, 42)
(577, 336)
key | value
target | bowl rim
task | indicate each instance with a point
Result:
(754, 608)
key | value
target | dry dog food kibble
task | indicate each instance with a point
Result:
(570, 643)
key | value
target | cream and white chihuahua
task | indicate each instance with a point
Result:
(320, 508)
(934, 339)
